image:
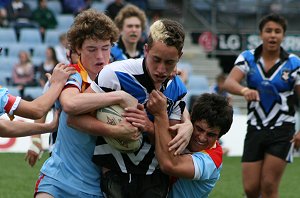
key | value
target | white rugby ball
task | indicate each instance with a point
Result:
(113, 115)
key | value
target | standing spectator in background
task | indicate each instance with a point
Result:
(219, 89)
(61, 49)
(23, 72)
(44, 17)
(272, 77)
(75, 6)
(113, 8)
(198, 169)
(3, 13)
(47, 66)
(19, 15)
(131, 22)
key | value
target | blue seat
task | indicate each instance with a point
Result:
(7, 35)
(5, 77)
(64, 21)
(198, 82)
(30, 36)
(34, 92)
(54, 6)
(7, 64)
(39, 51)
(15, 48)
(52, 37)
(13, 90)
(191, 94)
(100, 6)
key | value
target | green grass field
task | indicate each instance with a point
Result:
(17, 179)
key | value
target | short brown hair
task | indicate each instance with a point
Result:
(91, 24)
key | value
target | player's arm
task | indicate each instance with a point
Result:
(75, 103)
(20, 129)
(41, 105)
(89, 124)
(35, 150)
(183, 133)
(233, 86)
(179, 165)
(138, 118)
(296, 138)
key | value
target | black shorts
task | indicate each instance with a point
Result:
(275, 142)
(121, 185)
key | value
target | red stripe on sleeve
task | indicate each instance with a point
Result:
(10, 103)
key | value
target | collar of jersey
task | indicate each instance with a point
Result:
(83, 73)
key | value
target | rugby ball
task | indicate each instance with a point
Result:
(113, 115)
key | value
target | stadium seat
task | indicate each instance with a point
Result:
(30, 36)
(32, 4)
(13, 90)
(7, 64)
(15, 48)
(55, 7)
(7, 35)
(198, 82)
(100, 6)
(64, 21)
(52, 37)
(34, 92)
(39, 51)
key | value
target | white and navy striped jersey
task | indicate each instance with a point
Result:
(275, 87)
(132, 77)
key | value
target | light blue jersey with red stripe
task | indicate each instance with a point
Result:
(71, 163)
(208, 165)
(8, 103)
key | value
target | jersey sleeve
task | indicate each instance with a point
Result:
(176, 91)
(205, 167)
(8, 102)
(106, 81)
(74, 80)
(241, 63)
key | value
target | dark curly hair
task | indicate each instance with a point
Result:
(215, 110)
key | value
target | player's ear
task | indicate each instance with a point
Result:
(146, 49)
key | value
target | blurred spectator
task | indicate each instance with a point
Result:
(75, 6)
(44, 17)
(19, 15)
(3, 13)
(142, 4)
(218, 87)
(183, 71)
(156, 8)
(47, 66)
(131, 22)
(23, 72)
(60, 49)
(113, 8)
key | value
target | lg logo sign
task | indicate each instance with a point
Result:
(229, 42)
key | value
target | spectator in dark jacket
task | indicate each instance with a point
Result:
(44, 17)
